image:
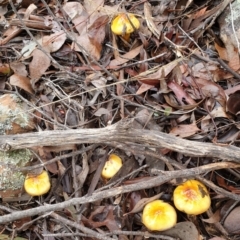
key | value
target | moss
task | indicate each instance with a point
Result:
(10, 178)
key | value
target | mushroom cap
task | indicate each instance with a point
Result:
(159, 216)
(112, 166)
(121, 24)
(191, 197)
(37, 185)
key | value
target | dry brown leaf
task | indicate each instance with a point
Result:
(39, 64)
(101, 111)
(221, 51)
(90, 25)
(53, 42)
(208, 88)
(158, 74)
(183, 230)
(185, 130)
(104, 216)
(46, 155)
(73, 9)
(96, 33)
(126, 57)
(232, 90)
(145, 118)
(86, 45)
(144, 88)
(19, 68)
(214, 218)
(93, 7)
(22, 82)
(231, 222)
(100, 85)
(233, 103)
(182, 96)
(82, 176)
(149, 19)
(217, 112)
(170, 99)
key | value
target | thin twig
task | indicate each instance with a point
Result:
(80, 227)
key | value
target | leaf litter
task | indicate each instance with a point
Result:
(177, 74)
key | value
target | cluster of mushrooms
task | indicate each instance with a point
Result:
(191, 197)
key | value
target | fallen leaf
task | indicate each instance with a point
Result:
(73, 9)
(233, 103)
(231, 222)
(183, 230)
(185, 130)
(101, 111)
(52, 43)
(96, 33)
(217, 112)
(144, 88)
(126, 57)
(22, 82)
(19, 68)
(214, 218)
(104, 216)
(149, 19)
(222, 183)
(182, 96)
(39, 64)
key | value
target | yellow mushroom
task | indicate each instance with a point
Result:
(112, 166)
(159, 216)
(124, 24)
(37, 185)
(191, 197)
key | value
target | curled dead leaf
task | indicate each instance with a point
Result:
(233, 103)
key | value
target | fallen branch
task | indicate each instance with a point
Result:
(121, 133)
(152, 182)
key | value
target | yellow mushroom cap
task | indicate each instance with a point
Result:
(37, 185)
(191, 197)
(121, 24)
(159, 216)
(112, 166)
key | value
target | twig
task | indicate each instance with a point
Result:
(226, 67)
(139, 62)
(80, 227)
(144, 234)
(121, 132)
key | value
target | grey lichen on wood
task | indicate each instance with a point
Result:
(227, 21)
(14, 115)
(10, 177)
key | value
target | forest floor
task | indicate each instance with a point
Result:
(80, 93)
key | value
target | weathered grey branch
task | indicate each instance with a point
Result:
(121, 133)
(152, 182)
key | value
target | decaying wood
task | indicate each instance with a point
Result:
(122, 133)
